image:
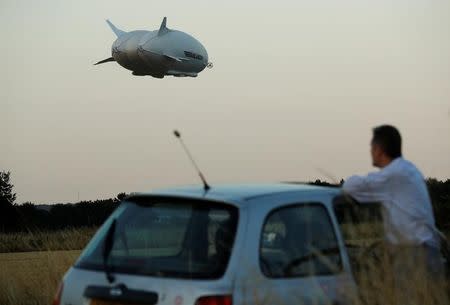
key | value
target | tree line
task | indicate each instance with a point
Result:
(29, 217)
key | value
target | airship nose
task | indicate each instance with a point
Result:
(118, 49)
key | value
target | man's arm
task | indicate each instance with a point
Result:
(370, 188)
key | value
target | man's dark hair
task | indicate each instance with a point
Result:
(389, 139)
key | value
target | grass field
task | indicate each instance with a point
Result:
(31, 278)
(33, 263)
(67, 239)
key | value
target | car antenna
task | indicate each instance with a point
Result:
(206, 187)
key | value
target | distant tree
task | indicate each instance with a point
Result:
(440, 197)
(6, 194)
(323, 183)
(121, 196)
(8, 215)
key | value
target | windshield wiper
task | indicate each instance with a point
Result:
(107, 247)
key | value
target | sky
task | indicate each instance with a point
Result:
(296, 88)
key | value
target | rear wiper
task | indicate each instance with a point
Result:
(107, 247)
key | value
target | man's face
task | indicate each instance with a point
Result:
(376, 153)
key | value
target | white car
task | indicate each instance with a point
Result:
(241, 244)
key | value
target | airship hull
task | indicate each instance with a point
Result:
(158, 53)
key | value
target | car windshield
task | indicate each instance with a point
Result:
(166, 238)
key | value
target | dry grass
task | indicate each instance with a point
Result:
(377, 275)
(68, 239)
(28, 277)
(32, 278)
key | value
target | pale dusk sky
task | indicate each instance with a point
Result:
(294, 93)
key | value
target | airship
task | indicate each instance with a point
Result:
(158, 53)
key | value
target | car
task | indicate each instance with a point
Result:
(239, 244)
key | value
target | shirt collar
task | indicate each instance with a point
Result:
(394, 162)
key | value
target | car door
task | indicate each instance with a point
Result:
(299, 258)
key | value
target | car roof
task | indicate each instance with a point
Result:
(240, 193)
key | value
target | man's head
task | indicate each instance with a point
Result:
(386, 145)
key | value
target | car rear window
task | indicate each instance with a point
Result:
(166, 238)
(299, 240)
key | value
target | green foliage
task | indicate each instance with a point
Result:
(440, 197)
(27, 217)
(6, 194)
(8, 216)
(62, 216)
(121, 196)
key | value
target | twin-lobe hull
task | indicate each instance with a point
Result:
(128, 52)
(158, 53)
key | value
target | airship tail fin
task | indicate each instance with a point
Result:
(105, 60)
(163, 28)
(114, 29)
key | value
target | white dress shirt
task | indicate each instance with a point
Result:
(407, 211)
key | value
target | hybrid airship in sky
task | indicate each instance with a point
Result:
(158, 53)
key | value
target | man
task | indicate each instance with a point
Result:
(410, 232)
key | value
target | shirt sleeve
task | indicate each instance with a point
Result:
(370, 188)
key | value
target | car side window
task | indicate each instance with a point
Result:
(297, 241)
